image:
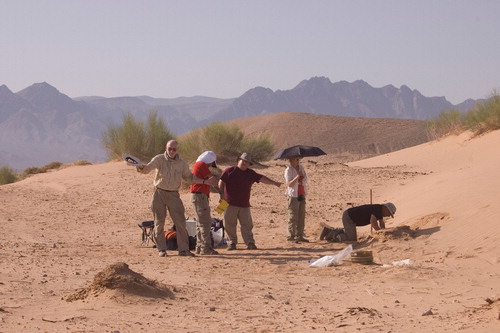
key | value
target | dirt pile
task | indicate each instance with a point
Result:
(403, 232)
(120, 278)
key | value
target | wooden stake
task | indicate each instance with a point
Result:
(371, 203)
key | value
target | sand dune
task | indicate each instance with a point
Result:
(64, 231)
(460, 181)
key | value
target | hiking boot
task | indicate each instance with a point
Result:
(301, 240)
(210, 252)
(231, 247)
(290, 239)
(341, 236)
(186, 254)
(251, 246)
(162, 253)
(324, 233)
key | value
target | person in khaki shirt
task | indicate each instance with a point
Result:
(170, 171)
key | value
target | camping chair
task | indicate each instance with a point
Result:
(147, 228)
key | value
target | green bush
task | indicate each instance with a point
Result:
(485, 116)
(82, 162)
(51, 166)
(227, 141)
(141, 139)
(260, 148)
(7, 175)
(32, 171)
(189, 146)
(224, 140)
(447, 122)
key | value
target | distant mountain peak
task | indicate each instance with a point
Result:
(314, 81)
(258, 91)
(43, 94)
(4, 90)
(39, 88)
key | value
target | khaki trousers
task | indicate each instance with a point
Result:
(202, 208)
(231, 217)
(349, 227)
(296, 218)
(171, 201)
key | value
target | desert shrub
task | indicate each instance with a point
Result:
(447, 122)
(227, 141)
(7, 175)
(139, 138)
(485, 116)
(51, 165)
(189, 146)
(260, 148)
(32, 171)
(82, 162)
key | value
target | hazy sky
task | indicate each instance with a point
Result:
(223, 48)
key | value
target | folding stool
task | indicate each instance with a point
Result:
(147, 228)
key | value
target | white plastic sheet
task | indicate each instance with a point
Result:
(333, 260)
(405, 262)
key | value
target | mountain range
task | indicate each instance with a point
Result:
(39, 124)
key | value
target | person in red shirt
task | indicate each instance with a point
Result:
(200, 194)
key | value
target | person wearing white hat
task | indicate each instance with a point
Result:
(366, 215)
(200, 194)
(235, 185)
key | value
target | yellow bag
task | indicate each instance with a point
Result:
(222, 206)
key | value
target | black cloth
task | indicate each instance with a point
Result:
(360, 215)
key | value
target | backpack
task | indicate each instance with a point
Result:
(171, 238)
(217, 232)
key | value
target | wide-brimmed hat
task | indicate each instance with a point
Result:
(245, 157)
(132, 160)
(392, 209)
(208, 157)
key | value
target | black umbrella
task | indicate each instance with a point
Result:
(299, 151)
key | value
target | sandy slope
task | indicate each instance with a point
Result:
(63, 229)
(462, 181)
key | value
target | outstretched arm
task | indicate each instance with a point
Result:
(269, 181)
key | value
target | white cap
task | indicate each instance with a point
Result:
(208, 157)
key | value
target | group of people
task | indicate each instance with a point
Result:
(234, 186)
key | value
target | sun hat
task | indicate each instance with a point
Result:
(392, 209)
(132, 160)
(208, 157)
(245, 157)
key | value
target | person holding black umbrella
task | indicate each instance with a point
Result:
(296, 179)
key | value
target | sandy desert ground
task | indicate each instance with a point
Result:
(71, 261)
